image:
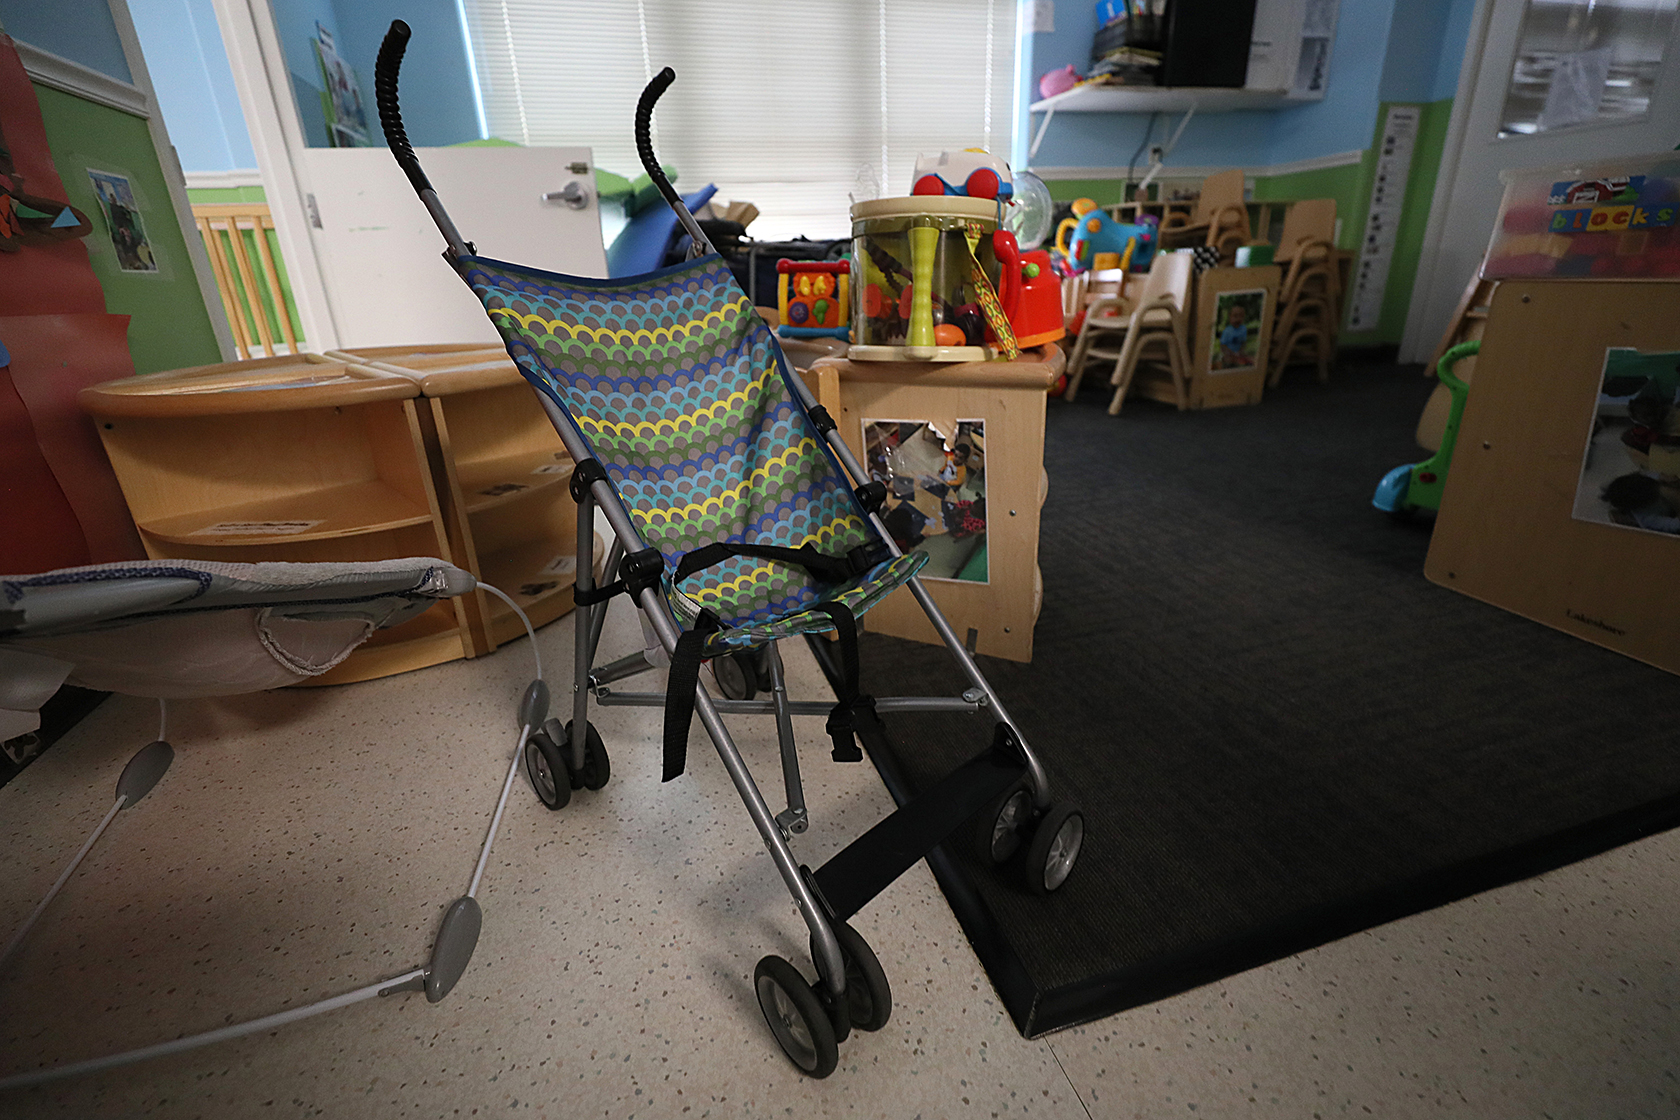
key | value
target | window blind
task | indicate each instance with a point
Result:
(779, 104)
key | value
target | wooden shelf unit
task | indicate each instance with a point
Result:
(502, 481)
(352, 456)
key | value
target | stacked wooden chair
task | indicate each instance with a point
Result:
(1160, 321)
(1309, 303)
(1097, 315)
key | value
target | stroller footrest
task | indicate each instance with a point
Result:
(872, 862)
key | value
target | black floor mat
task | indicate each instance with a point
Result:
(1280, 732)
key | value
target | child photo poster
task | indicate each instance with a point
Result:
(1630, 467)
(1236, 330)
(936, 492)
(122, 220)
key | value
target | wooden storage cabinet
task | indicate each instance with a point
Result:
(356, 456)
(503, 482)
(294, 458)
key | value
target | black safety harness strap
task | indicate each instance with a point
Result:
(679, 692)
(685, 661)
(842, 722)
(824, 568)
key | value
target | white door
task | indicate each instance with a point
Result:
(1562, 45)
(380, 254)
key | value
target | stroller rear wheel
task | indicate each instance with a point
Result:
(738, 675)
(796, 1017)
(1055, 847)
(546, 770)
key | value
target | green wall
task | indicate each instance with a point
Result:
(170, 326)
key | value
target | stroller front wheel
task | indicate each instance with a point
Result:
(597, 767)
(868, 995)
(546, 771)
(796, 1017)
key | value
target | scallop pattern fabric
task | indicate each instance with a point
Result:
(681, 393)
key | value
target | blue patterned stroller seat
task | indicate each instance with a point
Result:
(682, 394)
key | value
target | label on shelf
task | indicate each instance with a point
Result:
(255, 528)
(560, 566)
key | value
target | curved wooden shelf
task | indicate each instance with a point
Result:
(488, 483)
(353, 509)
(286, 383)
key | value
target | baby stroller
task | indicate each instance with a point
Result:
(725, 486)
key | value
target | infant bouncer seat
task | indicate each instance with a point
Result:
(726, 488)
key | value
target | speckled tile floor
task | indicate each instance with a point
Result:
(305, 842)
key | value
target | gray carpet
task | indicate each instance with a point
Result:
(1280, 732)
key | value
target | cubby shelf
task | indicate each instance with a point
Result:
(347, 510)
(491, 482)
(355, 456)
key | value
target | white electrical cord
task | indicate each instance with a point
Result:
(531, 633)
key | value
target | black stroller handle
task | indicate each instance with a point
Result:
(385, 70)
(650, 163)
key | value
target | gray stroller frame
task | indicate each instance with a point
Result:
(1004, 790)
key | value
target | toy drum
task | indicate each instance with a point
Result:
(922, 267)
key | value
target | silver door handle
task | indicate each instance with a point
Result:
(575, 195)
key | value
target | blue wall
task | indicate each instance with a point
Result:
(195, 91)
(1384, 51)
(80, 30)
(200, 105)
(439, 103)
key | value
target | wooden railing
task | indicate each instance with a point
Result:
(262, 317)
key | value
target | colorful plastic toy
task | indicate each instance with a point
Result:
(813, 297)
(980, 175)
(1096, 236)
(1416, 486)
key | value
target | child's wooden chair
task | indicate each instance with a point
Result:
(1107, 316)
(1309, 301)
(1158, 319)
(1223, 211)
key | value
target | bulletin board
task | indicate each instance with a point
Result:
(1524, 524)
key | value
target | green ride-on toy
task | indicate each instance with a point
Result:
(1407, 489)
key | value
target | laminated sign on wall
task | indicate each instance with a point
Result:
(1382, 219)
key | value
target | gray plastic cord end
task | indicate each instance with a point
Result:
(457, 937)
(149, 764)
(533, 708)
